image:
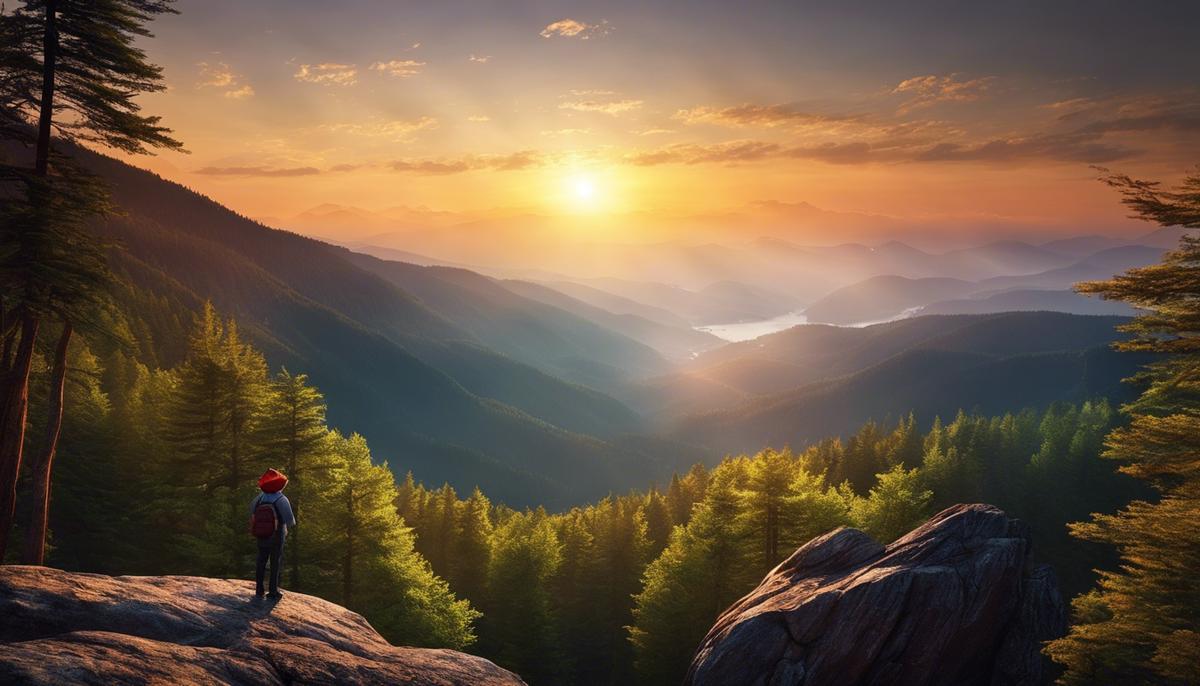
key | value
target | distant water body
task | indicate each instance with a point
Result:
(745, 331)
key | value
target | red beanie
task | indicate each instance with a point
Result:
(272, 481)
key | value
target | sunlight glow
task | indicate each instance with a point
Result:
(584, 189)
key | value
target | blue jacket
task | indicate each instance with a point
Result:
(283, 509)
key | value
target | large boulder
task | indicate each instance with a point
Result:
(956, 602)
(60, 627)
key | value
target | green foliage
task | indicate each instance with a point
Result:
(894, 506)
(1141, 624)
(699, 574)
(366, 557)
(520, 620)
(615, 592)
(100, 70)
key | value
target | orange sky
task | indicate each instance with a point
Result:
(613, 111)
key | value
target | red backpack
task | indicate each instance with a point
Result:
(265, 521)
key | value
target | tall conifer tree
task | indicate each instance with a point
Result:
(68, 69)
(1142, 623)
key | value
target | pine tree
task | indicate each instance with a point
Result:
(619, 555)
(813, 509)
(212, 422)
(894, 506)
(863, 458)
(763, 512)
(572, 591)
(471, 548)
(702, 570)
(520, 620)
(76, 58)
(293, 435)
(1142, 623)
(375, 567)
(905, 447)
(685, 492)
(657, 513)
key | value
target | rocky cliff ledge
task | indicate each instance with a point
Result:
(59, 627)
(954, 602)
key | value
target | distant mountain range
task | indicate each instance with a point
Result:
(425, 386)
(930, 366)
(553, 388)
(884, 297)
(804, 355)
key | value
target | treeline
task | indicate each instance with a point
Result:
(623, 590)
(157, 470)
(157, 467)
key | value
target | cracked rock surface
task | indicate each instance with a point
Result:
(956, 601)
(61, 627)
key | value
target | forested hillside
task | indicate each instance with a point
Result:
(425, 389)
(615, 591)
(750, 371)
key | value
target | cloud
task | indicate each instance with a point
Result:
(430, 166)
(925, 91)
(400, 68)
(1069, 147)
(478, 118)
(258, 171)
(598, 101)
(481, 59)
(731, 152)
(328, 73)
(392, 128)
(1089, 144)
(571, 28)
(240, 93)
(219, 76)
(552, 133)
(755, 115)
(515, 161)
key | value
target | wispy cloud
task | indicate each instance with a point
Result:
(258, 171)
(603, 101)
(731, 152)
(924, 91)
(554, 133)
(391, 128)
(480, 59)
(572, 28)
(220, 76)
(399, 68)
(755, 115)
(523, 159)
(244, 91)
(328, 74)
(478, 118)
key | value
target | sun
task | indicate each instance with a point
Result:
(588, 191)
(584, 188)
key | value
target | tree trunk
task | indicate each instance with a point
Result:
(35, 536)
(46, 116)
(12, 431)
(9, 331)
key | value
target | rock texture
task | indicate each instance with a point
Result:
(954, 602)
(59, 627)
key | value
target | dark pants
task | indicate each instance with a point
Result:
(272, 549)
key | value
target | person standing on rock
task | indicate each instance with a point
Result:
(270, 518)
